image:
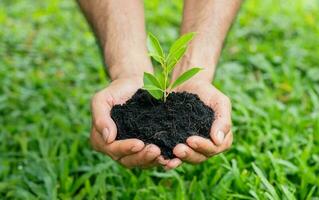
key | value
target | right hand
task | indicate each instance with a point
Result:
(129, 152)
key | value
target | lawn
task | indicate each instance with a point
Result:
(50, 66)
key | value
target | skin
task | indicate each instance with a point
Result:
(119, 26)
(211, 21)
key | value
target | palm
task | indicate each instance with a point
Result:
(204, 90)
(119, 91)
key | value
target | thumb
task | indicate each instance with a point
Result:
(222, 123)
(101, 117)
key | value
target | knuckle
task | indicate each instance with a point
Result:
(99, 123)
(227, 127)
(102, 95)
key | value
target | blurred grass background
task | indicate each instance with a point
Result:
(50, 66)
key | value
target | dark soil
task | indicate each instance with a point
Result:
(163, 124)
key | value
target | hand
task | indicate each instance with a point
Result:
(128, 152)
(199, 149)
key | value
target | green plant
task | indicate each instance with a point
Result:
(47, 86)
(160, 85)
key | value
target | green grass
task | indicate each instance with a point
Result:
(50, 67)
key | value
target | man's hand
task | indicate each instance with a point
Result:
(129, 152)
(211, 21)
(198, 149)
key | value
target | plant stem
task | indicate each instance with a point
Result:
(165, 81)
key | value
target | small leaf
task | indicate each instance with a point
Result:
(151, 87)
(154, 47)
(157, 58)
(154, 91)
(175, 57)
(181, 42)
(185, 76)
(161, 79)
(150, 79)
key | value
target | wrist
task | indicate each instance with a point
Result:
(133, 69)
(206, 74)
(127, 72)
(203, 52)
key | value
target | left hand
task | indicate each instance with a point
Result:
(199, 149)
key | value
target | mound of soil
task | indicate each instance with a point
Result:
(163, 124)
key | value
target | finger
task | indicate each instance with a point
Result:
(116, 149)
(121, 148)
(222, 122)
(173, 163)
(154, 163)
(101, 107)
(161, 160)
(202, 145)
(227, 143)
(97, 141)
(185, 153)
(143, 159)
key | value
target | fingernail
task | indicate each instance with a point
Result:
(220, 135)
(105, 134)
(162, 161)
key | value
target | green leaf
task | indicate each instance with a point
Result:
(181, 42)
(154, 47)
(151, 87)
(161, 79)
(185, 76)
(175, 57)
(289, 195)
(150, 79)
(156, 92)
(157, 58)
(270, 188)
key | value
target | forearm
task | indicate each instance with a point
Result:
(210, 19)
(120, 28)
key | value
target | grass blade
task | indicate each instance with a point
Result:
(287, 193)
(266, 183)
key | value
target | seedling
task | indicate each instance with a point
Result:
(160, 85)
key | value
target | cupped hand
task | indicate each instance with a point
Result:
(129, 152)
(199, 149)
